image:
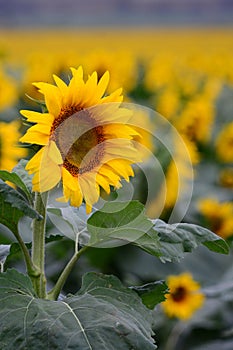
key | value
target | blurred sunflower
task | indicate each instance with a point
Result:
(179, 173)
(218, 216)
(8, 90)
(10, 153)
(121, 65)
(224, 143)
(84, 137)
(226, 177)
(184, 297)
(196, 119)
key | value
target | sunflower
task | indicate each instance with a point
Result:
(85, 139)
(224, 143)
(10, 152)
(8, 95)
(184, 297)
(226, 177)
(218, 216)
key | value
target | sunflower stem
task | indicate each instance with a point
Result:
(175, 335)
(38, 243)
(31, 269)
(53, 294)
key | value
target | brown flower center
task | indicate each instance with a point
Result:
(79, 140)
(179, 294)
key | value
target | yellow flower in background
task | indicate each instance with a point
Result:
(196, 120)
(184, 297)
(187, 82)
(10, 152)
(179, 172)
(37, 67)
(8, 91)
(177, 184)
(218, 215)
(159, 72)
(121, 65)
(142, 123)
(226, 177)
(168, 102)
(85, 139)
(224, 143)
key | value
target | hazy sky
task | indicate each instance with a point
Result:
(107, 12)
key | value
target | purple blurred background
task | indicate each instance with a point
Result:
(115, 12)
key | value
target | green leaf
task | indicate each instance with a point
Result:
(13, 205)
(152, 293)
(12, 282)
(118, 223)
(4, 252)
(176, 239)
(15, 248)
(16, 180)
(170, 242)
(19, 169)
(150, 242)
(70, 222)
(135, 320)
(103, 315)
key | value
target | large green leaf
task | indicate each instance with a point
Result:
(13, 283)
(16, 180)
(152, 293)
(13, 205)
(150, 242)
(19, 169)
(103, 315)
(177, 239)
(118, 223)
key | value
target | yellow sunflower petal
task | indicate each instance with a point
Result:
(35, 138)
(76, 198)
(60, 84)
(71, 189)
(103, 182)
(77, 73)
(47, 174)
(102, 85)
(88, 208)
(42, 128)
(111, 113)
(114, 97)
(89, 188)
(90, 98)
(46, 179)
(52, 97)
(35, 161)
(110, 174)
(121, 148)
(122, 167)
(68, 180)
(54, 153)
(36, 117)
(120, 131)
(76, 89)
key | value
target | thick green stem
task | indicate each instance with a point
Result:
(32, 271)
(54, 293)
(38, 243)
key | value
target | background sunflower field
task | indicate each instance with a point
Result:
(186, 75)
